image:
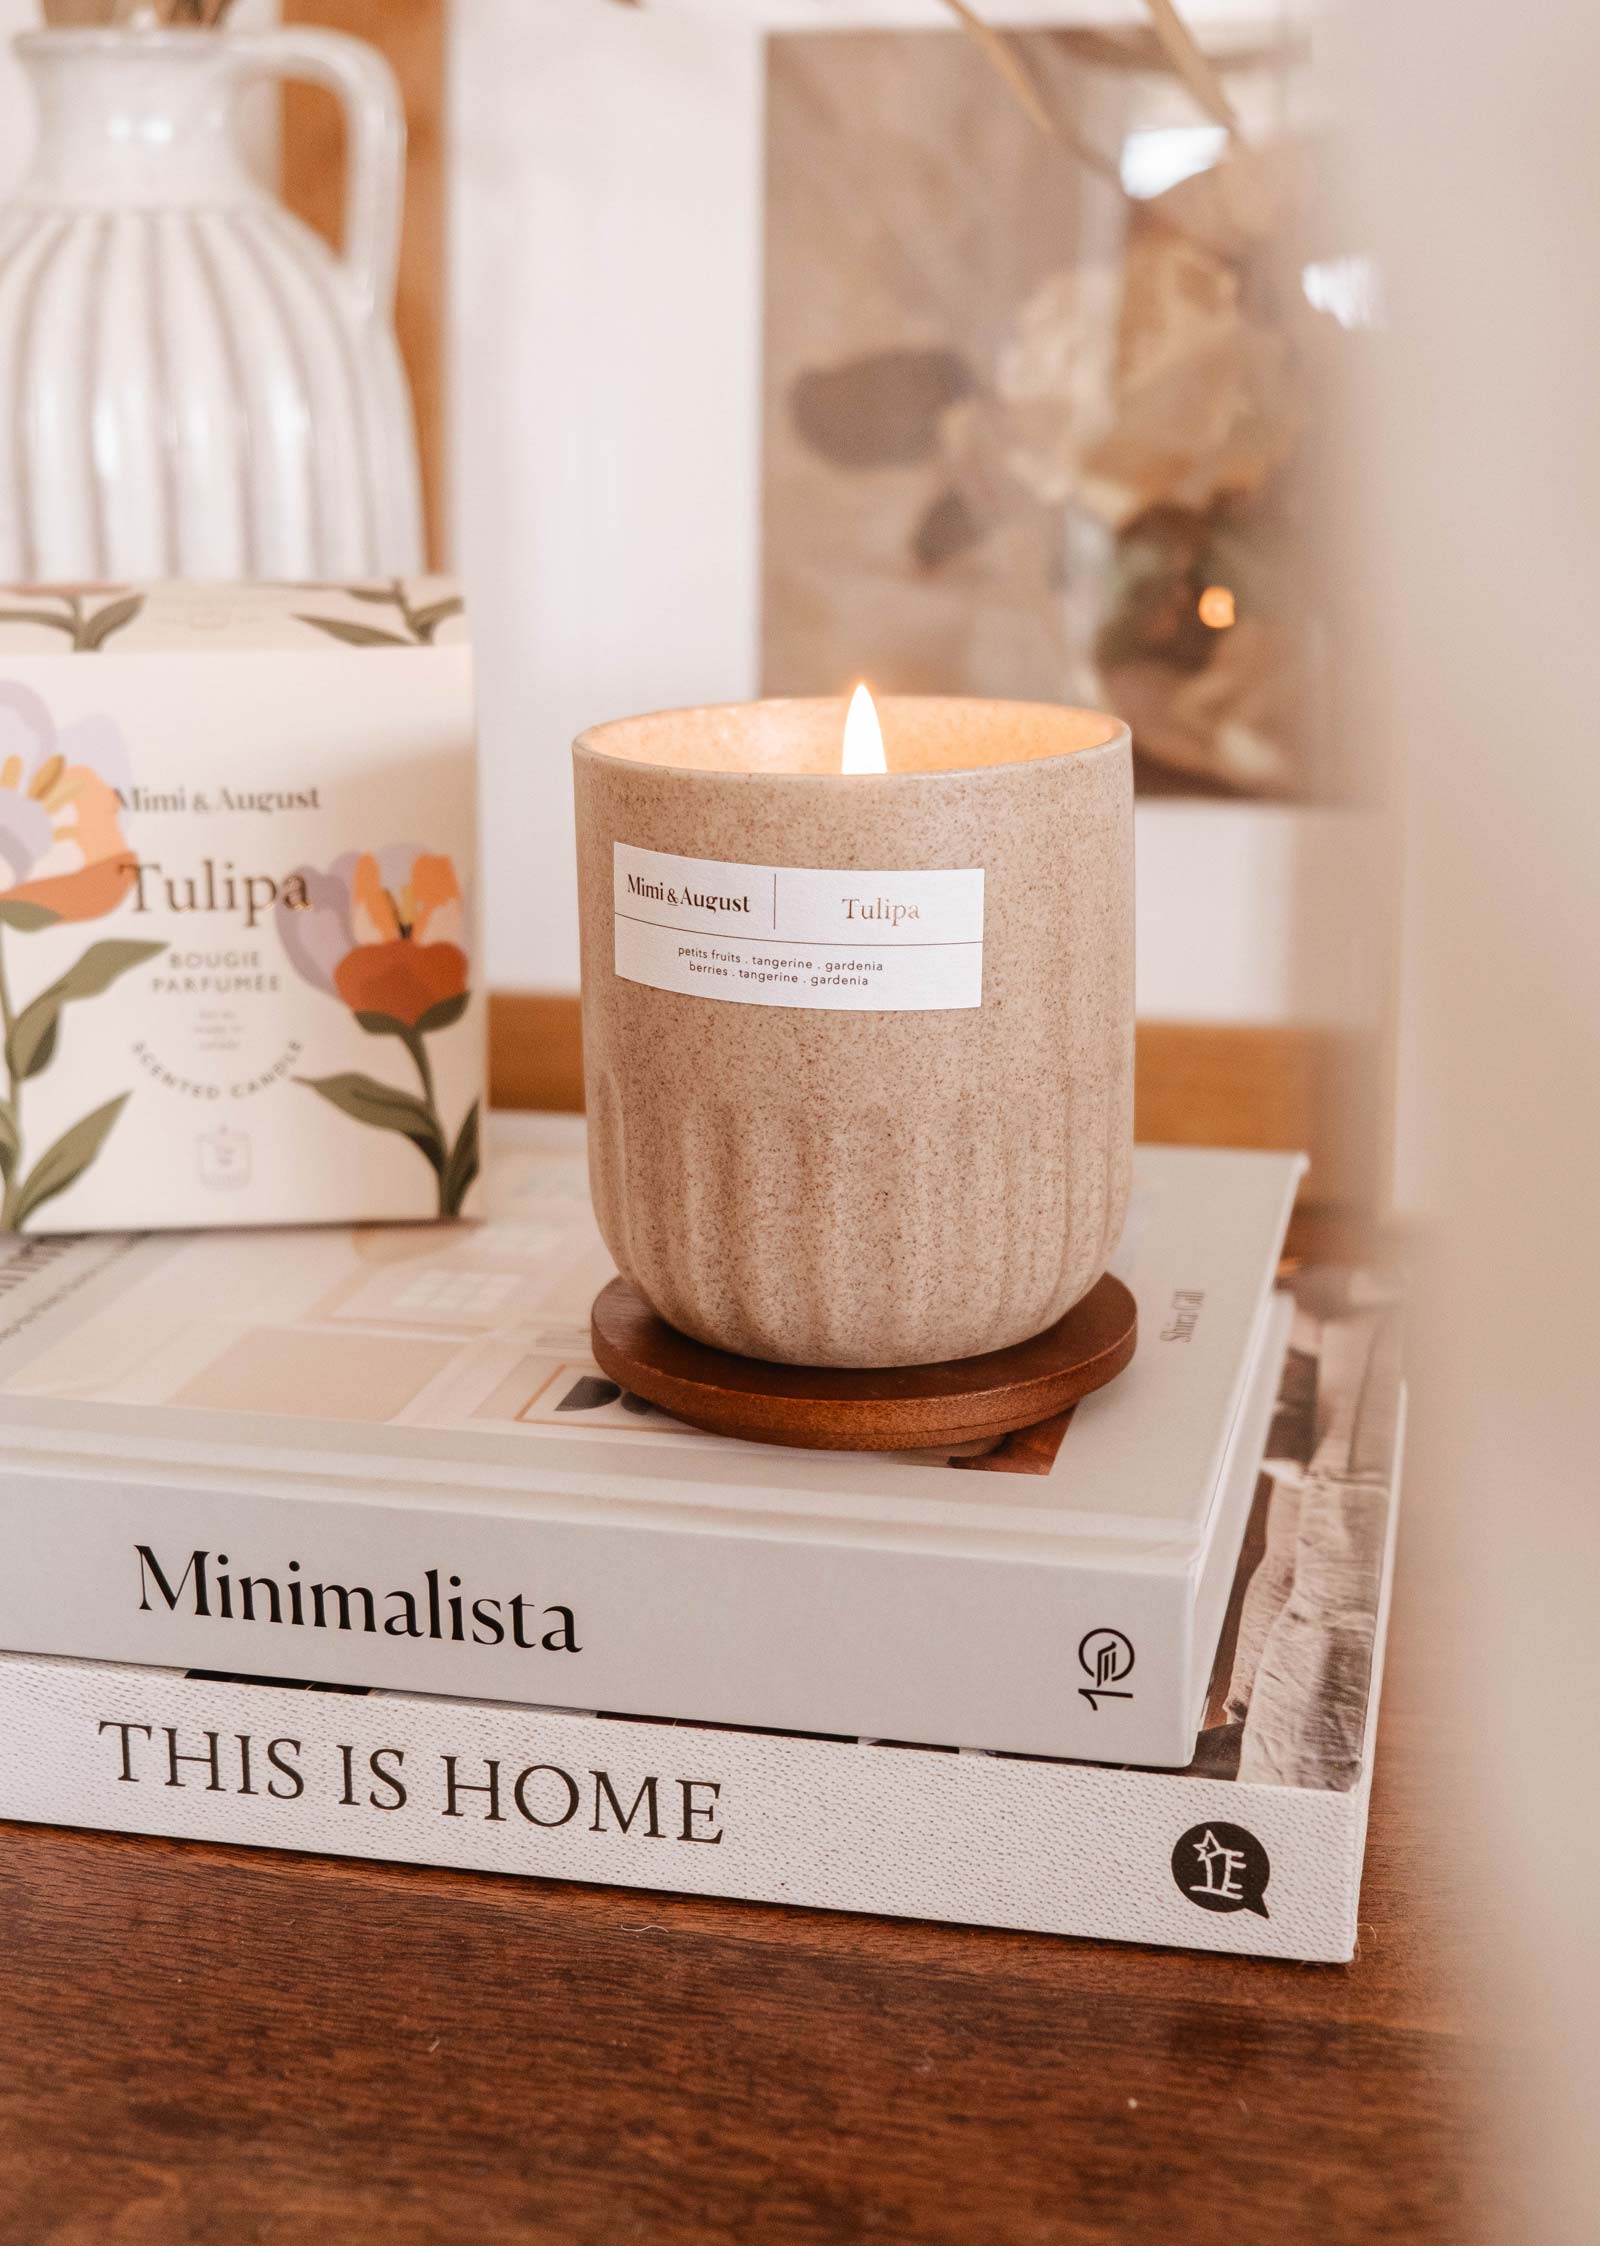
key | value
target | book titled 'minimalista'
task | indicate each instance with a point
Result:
(385, 1457)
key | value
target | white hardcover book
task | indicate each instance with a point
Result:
(1255, 1848)
(383, 1456)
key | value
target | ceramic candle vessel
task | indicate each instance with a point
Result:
(858, 1047)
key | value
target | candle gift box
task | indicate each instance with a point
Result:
(237, 891)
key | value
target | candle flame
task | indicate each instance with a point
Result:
(863, 736)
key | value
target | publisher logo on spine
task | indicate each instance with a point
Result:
(1222, 1868)
(1106, 1658)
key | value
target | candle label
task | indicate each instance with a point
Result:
(848, 942)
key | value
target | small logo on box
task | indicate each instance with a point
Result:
(1105, 1657)
(1222, 1868)
(224, 1157)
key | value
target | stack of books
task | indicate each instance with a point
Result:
(339, 1540)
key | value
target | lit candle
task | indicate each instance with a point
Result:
(858, 1022)
(863, 736)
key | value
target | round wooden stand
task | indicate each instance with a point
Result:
(906, 1407)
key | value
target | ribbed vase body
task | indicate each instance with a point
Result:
(191, 384)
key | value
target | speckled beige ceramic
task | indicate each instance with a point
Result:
(872, 1188)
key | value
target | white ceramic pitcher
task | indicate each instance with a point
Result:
(191, 385)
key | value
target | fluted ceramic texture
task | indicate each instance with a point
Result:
(190, 385)
(878, 1188)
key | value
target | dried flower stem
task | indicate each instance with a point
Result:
(1194, 67)
(1178, 44)
(1005, 60)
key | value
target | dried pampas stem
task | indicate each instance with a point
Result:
(1180, 48)
(1199, 74)
(1178, 45)
(1008, 64)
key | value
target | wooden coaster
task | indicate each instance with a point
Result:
(907, 1407)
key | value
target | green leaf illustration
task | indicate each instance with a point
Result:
(354, 635)
(33, 1033)
(461, 1168)
(441, 1016)
(23, 913)
(381, 595)
(66, 1161)
(33, 616)
(101, 964)
(32, 1043)
(10, 1142)
(105, 621)
(426, 621)
(384, 1107)
(383, 1025)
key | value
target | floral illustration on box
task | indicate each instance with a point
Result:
(419, 624)
(63, 857)
(64, 610)
(384, 931)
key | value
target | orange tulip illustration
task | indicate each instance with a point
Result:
(385, 932)
(63, 857)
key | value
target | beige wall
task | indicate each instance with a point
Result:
(606, 446)
(1478, 162)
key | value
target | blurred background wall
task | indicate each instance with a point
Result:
(614, 159)
(582, 313)
(1476, 165)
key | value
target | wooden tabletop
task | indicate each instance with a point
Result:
(215, 2045)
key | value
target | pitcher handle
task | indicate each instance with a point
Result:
(375, 123)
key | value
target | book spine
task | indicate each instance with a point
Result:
(967, 1837)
